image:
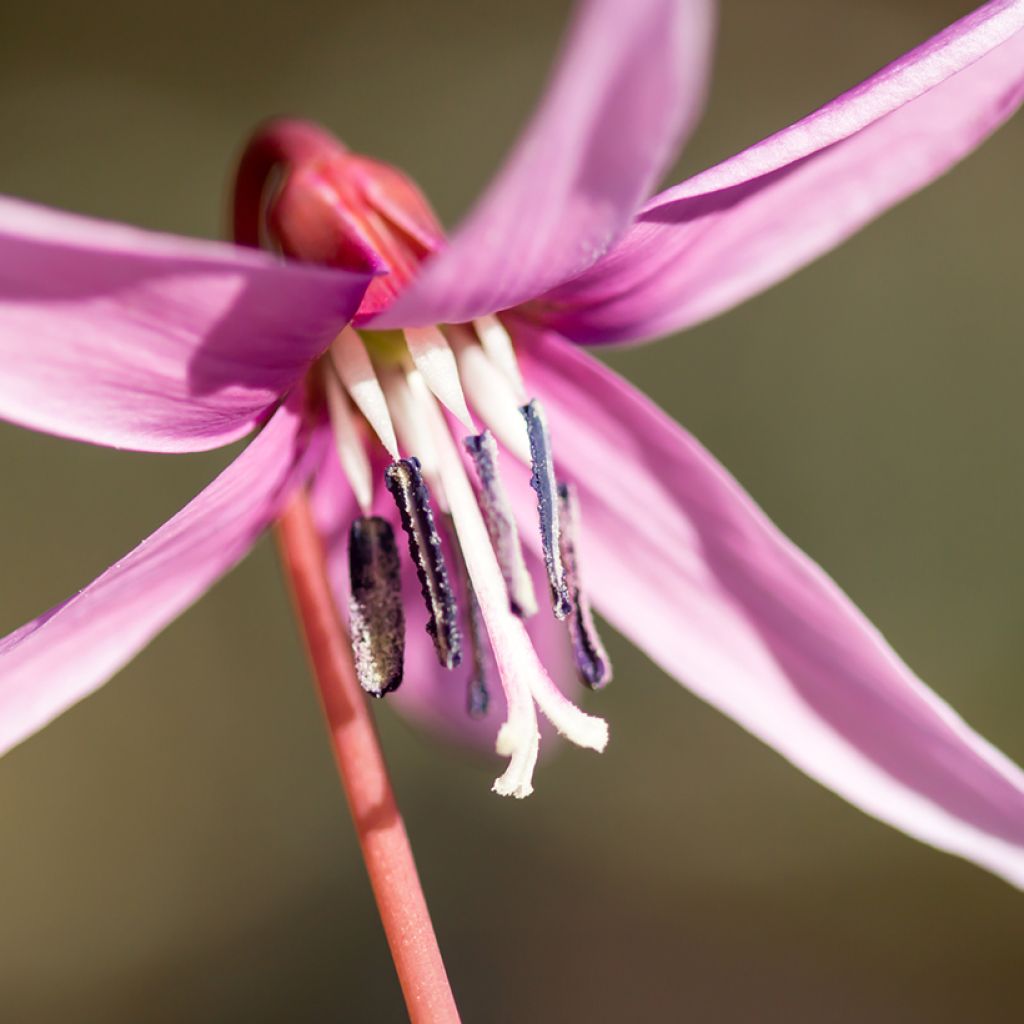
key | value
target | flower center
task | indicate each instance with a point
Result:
(396, 397)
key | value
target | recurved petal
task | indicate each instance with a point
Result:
(139, 340)
(628, 87)
(734, 230)
(69, 651)
(684, 563)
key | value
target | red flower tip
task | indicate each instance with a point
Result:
(336, 208)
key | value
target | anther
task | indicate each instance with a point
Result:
(591, 659)
(376, 619)
(542, 480)
(478, 696)
(498, 346)
(407, 486)
(501, 524)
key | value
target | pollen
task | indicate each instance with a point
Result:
(376, 617)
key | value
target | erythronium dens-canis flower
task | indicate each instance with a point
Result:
(403, 377)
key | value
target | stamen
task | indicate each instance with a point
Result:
(376, 619)
(409, 420)
(478, 697)
(522, 675)
(542, 480)
(498, 346)
(405, 482)
(493, 397)
(501, 524)
(351, 453)
(434, 359)
(591, 659)
(352, 361)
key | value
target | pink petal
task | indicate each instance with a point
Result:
(61, 657)
(138, 340)
(629, 85)
(684, 563)
(430, 695)
(734, 230)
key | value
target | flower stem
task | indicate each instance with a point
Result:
(379, 826)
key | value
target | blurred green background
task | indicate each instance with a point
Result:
(177, 847)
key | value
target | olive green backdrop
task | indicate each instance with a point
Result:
(177, 847)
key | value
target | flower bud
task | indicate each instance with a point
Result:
(347, 211)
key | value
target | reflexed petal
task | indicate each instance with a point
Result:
(124, 337)
(683, 562)
(734, 230)
(431, 695)
(629, 84)
(65, 654)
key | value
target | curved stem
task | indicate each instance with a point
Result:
(281, 145)
(382, 835)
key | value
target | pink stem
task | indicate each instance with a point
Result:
(280, 146)
(379, 826)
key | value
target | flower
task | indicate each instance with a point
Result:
(126, 338)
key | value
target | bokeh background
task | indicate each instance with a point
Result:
(177, 849)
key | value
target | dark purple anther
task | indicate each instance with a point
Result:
(407, 486)
(376, 619)
(542, 480)
(478, 697)
(501, 525)
(591, 659)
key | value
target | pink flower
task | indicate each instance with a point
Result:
(125, 338)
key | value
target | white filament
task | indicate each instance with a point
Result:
(499, 348)
(491, 393)
(352, 361)
(351, 453)
(434, 359)
(411, 423)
